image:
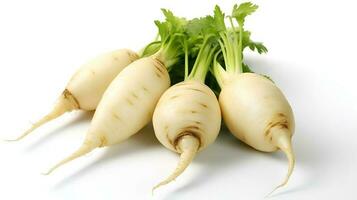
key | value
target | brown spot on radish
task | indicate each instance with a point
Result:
(192, 133)
(192, 127)
(159, 69)
(281, 115)
(267, 132)
(69, 96)
(93, 72)
(274, 124)
(129, 101)
(193, 111)
(116, 116)
(174, 97)
(145, 89)
(284, 125)
(103, 141)
(159, 64)
(134, 95)
(203, 105)
(278, 121)
(195, 89)
(197, 122)
(132, 56)
(157, 74)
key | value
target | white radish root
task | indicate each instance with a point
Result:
(65, 103)
(257, 113)
(84, 149)
(86, 87)
(126, 107)
(188, 146)
(281, 138)
(186, 120)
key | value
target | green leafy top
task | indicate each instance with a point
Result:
(192, 39)
(242, 11)
(171, 27)
(170, 31)
(233, 41)
(219, 17)
(206, 43)
(204, 34)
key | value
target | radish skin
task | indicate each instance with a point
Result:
(186, 120)
(257, 113)
(90, 82)
(253, 107)
(126, 106)
(129, 102)
(187, 117)
(87, 85)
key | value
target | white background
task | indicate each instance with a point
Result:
(312, 58)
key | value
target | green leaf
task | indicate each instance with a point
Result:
(151, 49)
(176, 24)
(246, 68)
(219, 19)
(257, 46)
(254, 46)
(171, 31)
(201, 26)
(172, 26)
(163, 29)
(242, 11)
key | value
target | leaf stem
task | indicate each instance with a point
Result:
(203, 61)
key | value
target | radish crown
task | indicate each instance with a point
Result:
(170, 32)
(233, 41)
(203, 33)
(195, 40)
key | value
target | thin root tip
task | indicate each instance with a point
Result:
(189, 146)
(84, 149)
(157, 186)
(276, 188)
(283, 141)
(22, 136)
(46, 173)
(153, 190)
(11, 140)
(15, 139)
(281, 185)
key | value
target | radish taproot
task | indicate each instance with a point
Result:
(253, 107)
(187, 117)
(129, 102)
(87, 85)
